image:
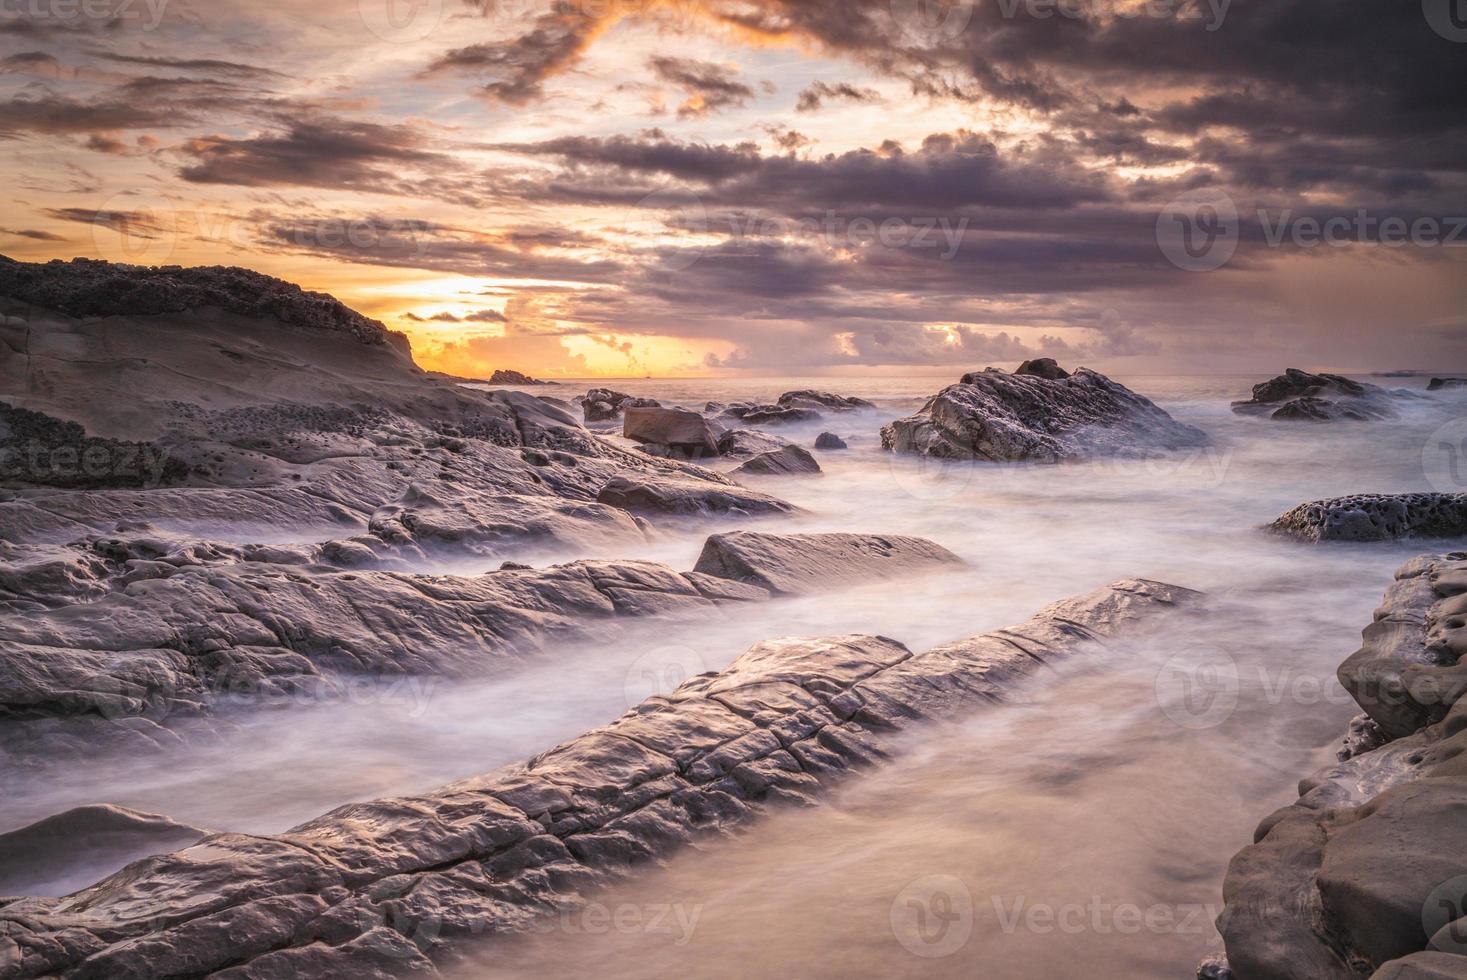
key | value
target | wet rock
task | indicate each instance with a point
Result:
(829, 441)
(678, 496)
(1377, 517)
(605, 405)
(1437, 384)
(800, 563)
(1043, 367)
(809, 398)
(785, 461)
(1301, 396)
(992, 415)
(687, 432)
(420, 878)
(1362, 874)
(743, 443)
(70, 850)
(779, 415)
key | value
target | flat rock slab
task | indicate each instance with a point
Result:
(785, 461)
(682, 497)
(1377, 517)
(1044, 417)
(1366, 875)
(386, 887)
(798, 564)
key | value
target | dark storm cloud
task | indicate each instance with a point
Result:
(33, 234)
(515, 71)
(206, 65)
(55, 114)
(710, 87)
(651, 153)
(312, 153)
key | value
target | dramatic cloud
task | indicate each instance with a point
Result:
(709, 87)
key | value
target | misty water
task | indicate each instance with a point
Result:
(1083, 829)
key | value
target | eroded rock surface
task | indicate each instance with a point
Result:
(796, 564)
(680, 497)
(992, 415)
(1366, 875)
(1301, 396)
(785, 461)
(1377, 517)
(680, 430)
(387, 887)
(73, 849)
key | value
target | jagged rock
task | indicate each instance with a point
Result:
(784, 461)
(1301, 396)
(683, 497)
(796, 564)
(686, 432)
(992, 415)
(743, 443)
(829, 441)
(779, 415)
(71, 850)
(1377, 517)
(515, 378)
(808, 398)
(1354, 878)
(408, 880)
(1043, 367)
(605, 405)
(1437, 384)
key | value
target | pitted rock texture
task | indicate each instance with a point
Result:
(69, 847)
(388, 887)
(798, 564)
(1299, 395)
(1377, 517)
(992, 415)
(1363, 876)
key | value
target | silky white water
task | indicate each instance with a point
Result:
(1024, 841)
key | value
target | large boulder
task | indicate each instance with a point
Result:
(606, 405)
(829, 441)
(1299, 395)
(785, 461)
(389, 886)
(743, 443)
(680, 430)
(1437, 384)
(992, 415)
(812, 399)
(799, 563)
(1377, 517)
(779, 415)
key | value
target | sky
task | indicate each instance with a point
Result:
(775, 187)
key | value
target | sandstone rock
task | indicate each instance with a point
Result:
(685, 431)
(1377, 517)
(417, 878)
(800, 563)
(829, 441)
(73, 849)
(995, 416)
(784, 461)
(678, 496)
(1300, 396)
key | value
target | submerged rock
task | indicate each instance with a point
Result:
(1364, 875)
(795, 564)
(405, 881)
(1437, 384)
(784, 461)
(829, 441)
(991, 415)
(1377, 517)
(743, 443)
(809, 398)
(71, 850)
(1301, 396)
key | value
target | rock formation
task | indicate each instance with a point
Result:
(1300, 396)
(687, 433)
(991, 415)
(605, 405)
(73, 849)
(796, 564)
(829, 441)
(387, 887)
(1377, 517)
(808, 398)
(785, 461)
(515, 378)
(743, 443)
(1364, 875)
(1437, 384)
